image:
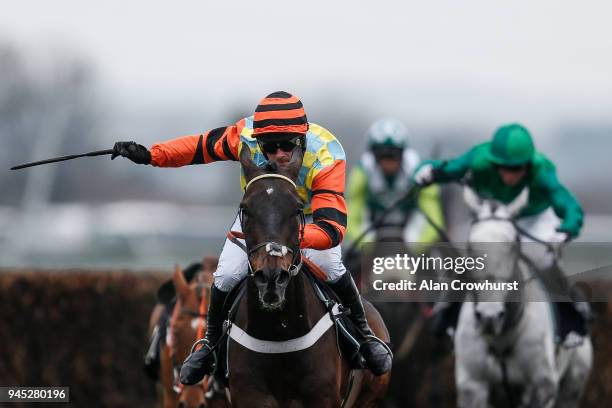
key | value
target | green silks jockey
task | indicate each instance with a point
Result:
(499, 170)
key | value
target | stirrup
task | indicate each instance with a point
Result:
(372, 338)
(203, 341)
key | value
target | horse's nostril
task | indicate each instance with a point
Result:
(181, 404)
(270, 297)
(259, 278)
(283, 277)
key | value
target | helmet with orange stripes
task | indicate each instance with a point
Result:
(279, 112)
(280, 118)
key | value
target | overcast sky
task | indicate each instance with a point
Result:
(537, 61)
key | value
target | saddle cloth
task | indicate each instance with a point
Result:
(347, 334)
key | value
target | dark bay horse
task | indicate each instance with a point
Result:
(281, 308)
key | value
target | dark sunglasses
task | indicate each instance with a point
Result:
(388, 153)
(285, 145)
(512, 169)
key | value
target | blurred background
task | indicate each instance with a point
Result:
(76, 77)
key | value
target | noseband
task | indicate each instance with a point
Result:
(274, 248)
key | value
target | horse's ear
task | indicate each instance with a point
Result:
(480, 207)
(295, 164)
(250, 169)
(210, 264)
(472, 200)
(180, 284)
(518, 203)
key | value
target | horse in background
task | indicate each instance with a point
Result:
(505, 347)
(186, 325)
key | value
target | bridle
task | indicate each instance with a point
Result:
(515, 313)
(274, 248)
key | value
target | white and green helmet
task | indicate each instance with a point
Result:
(387, 132)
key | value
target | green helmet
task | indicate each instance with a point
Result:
(511, 146)
(387, 133)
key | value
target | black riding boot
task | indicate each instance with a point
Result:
(445, 317)
(377, 357)
(576, 315)
(151, 359)
(577, 318)
(201, 362)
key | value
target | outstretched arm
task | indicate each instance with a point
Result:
(214, 145)
(440, 171)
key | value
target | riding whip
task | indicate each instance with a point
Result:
(62, 158)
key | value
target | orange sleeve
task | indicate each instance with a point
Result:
(329, 208)
(214, 145)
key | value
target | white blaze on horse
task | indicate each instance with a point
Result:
(505, 349)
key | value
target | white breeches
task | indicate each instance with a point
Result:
(233, 263)
(542, 226)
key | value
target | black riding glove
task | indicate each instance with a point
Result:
(133, 151)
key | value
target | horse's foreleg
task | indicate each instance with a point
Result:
(540, 394)
(472, 394)
(576, 376)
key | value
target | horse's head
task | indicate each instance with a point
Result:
(188, 323)
(490, 316)
(272, 217)
(493, 233)
(493, 220)
(493, 318)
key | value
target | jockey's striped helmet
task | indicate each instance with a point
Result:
(279, 113)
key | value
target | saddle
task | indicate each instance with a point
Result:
(346, 332)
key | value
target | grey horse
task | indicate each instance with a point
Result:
(505, 347)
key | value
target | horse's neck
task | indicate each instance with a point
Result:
(514, 327)
(299, 314)
(505, 342)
